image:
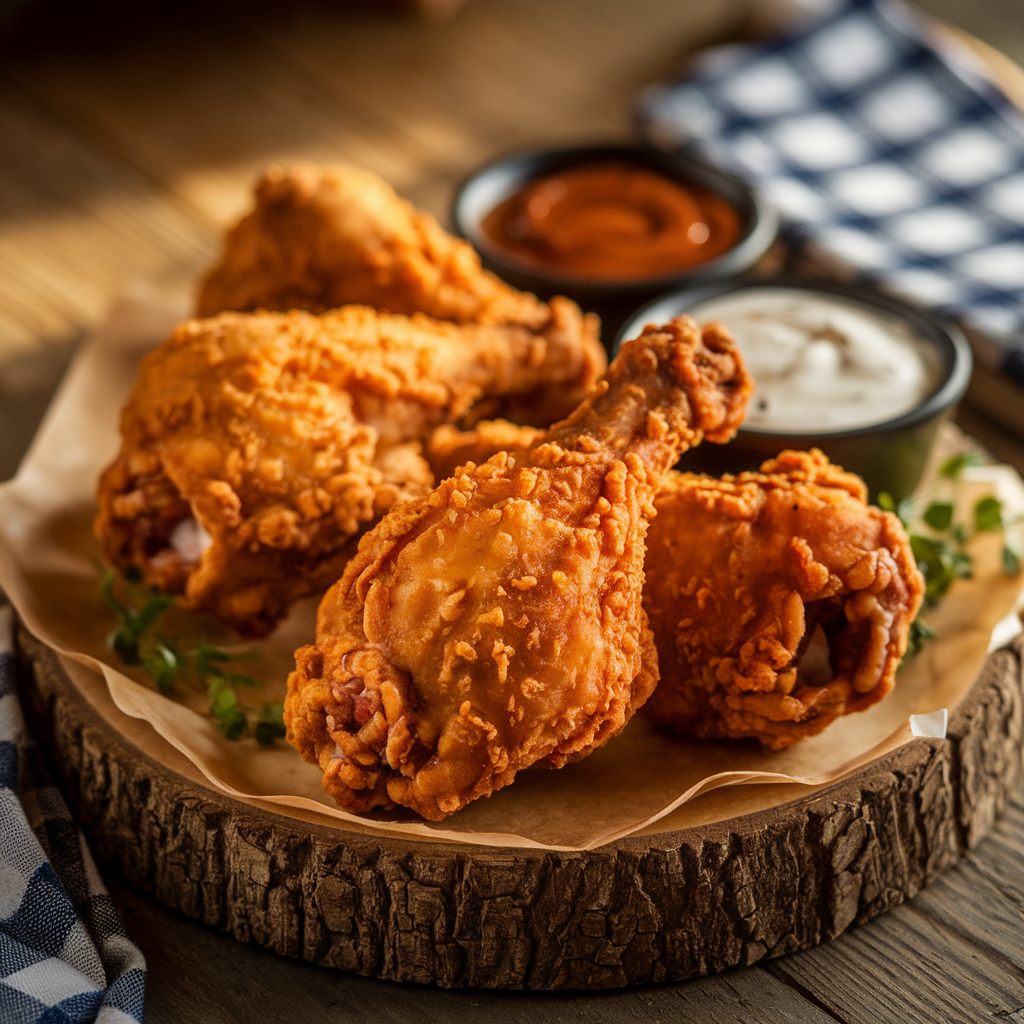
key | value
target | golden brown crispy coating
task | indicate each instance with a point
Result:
(284, 435)
(448, 447)
(317, 239)
(497, 623)
(781, 600)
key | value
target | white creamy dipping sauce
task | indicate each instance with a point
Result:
(821, 363)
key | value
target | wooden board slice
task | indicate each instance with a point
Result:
(663, 907)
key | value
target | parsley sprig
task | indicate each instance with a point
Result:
(139, 644)
(942, 554)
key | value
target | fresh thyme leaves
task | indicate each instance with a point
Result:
(919, 633)
(953, 467)
(939, 515)
(126, 641)
(942, 555)
(906, 510)
(1011, 561)
(137, 643)
(271, 723)
(988, 514)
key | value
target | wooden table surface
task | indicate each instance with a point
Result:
(123, 155)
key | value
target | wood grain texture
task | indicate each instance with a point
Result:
(114, 164)
(75, 225)
(912, 970)
(656, 908)
(203, 113)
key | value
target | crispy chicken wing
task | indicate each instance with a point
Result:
(497, 623)
(781, 600)
(256, 446)
(318, 239)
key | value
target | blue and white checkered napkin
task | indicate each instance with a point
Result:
(885, 155)
(64, 954)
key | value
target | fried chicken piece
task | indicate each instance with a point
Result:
(779, 600)
(448, 447)
(257, 446)
(697, 513)
(318, 239)
(497, 623)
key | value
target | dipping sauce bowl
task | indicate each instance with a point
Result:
(611, 226)
(862, 376)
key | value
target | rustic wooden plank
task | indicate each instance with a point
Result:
(747, 996)
(1001, 858)
(503, 74)
(74, 226)
(906, 966)
(971, 903)
(403, 98)
(203, 114)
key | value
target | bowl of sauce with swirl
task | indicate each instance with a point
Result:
(611, 226)
(862, 375)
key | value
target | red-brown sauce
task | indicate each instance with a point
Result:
(613, 221)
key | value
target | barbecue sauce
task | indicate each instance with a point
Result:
(613, 221)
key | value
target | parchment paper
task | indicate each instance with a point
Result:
(641, 781)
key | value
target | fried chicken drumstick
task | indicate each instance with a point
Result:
(448, 447)
(782, 600)
(257, 446)
(497, 623)
(751, 648)
(318, 239)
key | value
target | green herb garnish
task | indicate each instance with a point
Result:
(137, 643)
(942, 555)
(919, 633)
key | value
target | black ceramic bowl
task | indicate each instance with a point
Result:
(612, 300)
(891, 455)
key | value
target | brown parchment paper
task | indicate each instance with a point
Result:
(641, 781)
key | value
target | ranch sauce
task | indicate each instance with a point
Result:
(820, 363)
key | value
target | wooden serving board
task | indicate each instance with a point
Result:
(663, 907)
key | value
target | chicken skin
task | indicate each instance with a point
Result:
(781, 600)
(745, 663)
(256, 447)
(497, 623)
(448, 447)
(318, 239)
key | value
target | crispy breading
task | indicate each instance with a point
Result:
(448, 447)
(320, 238)
(257, 446)
(781, 600)
(497, 622)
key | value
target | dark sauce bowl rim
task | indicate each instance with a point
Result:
(936, 330)
(759, 233)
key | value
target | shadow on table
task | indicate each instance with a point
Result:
(82, 24)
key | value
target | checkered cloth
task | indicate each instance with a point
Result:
(64, 954)
(885, 154)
